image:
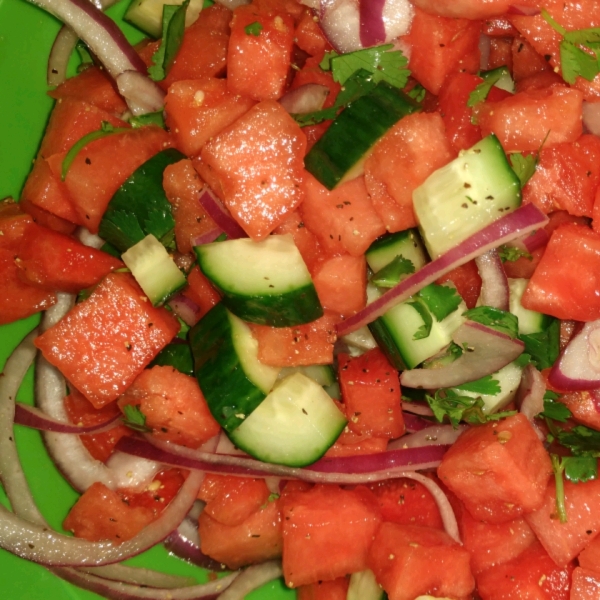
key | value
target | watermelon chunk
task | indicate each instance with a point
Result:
(105, 342)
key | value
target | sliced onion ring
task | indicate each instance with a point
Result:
(29, 416)
(218, 213)
(494, 283)
(530, 396)
(306, 98)
(61, 51)
(186, 309)
(41, 545)
(141, 93)
(251, 579)
(372, 26)
(509, 227)
(578, 367)
(491, 350)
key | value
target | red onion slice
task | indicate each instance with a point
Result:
(304, 99)
(487, 351)
(414, 423)
(340, 21)
(219, 214)
(29, 416)
(347, 470)
(186, 309)
(429, 436)
(61, 51)
(105, 40)
(139, 576)
(530, 396)
(509, 227)
(125, 591)
(372, 27)
(141, 93)
(494, 283)
(208, 237)
(251, 579)
(578, 367)
(41, 545)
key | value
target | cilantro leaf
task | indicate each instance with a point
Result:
(480, 93)
(135, 419)
(555, 410)
(487, 386)
(393, 273)
(543, 346)
(417, 93)
(358, 85)
(425, 329)
(511, 253)
(523, 166)
(441, 300)
(497, 319)
(580, 468)
(581, 440)
(155, 118)
(173, 26)
(382, 62)
(447, 357)
(448, 403)
(253, 29)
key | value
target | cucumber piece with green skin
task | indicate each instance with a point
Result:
(396, 329)
(501, 78)
(465, 195)
(530, 321)
(509, 378)
(364, 586)
(178, 356)
(154, 270)
(232, 379)
(539, 332)
(140, 206)
(147, 14)
(264, 282)
(339, 155)
(406, 243)
(324, 375)
(294, 425)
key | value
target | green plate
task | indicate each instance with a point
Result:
(26, 35)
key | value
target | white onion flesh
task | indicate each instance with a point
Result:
(487, 351)
(251, 579)
(494, 283)
(578, 367)
(304, 99)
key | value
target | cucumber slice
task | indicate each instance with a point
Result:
(530, 321)
(232, 379)
(140, 206)
(364, 586)
(324, 375)
(464, 196)
(264, 282)
(509, 378)
(147, 14)
(178, 356)
(396, 329)
(294, 425)
(339, 155)
(406, 243)
(154, 270)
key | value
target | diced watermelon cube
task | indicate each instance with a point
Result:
(411, 560)
(255, 166)
(105, 342)
(499, 470)
(585, 584)
(327, 533)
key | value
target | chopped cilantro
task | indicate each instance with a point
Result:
(417, 93)
(135, 419)
(441, 300)
(523, 166)
(511, 254)
(553, 409)
(487, 386)
(543, 346)
(155, 118)
(450, 404)
(497, 319)
(382, 62)
(425, 329)
(253, 29)
(579, 54)
(393, 273)
(522, 360)
(173, 26)
(85, 57)
(480, 93)
(581, 440)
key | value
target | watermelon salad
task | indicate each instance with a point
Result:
(313, 299)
